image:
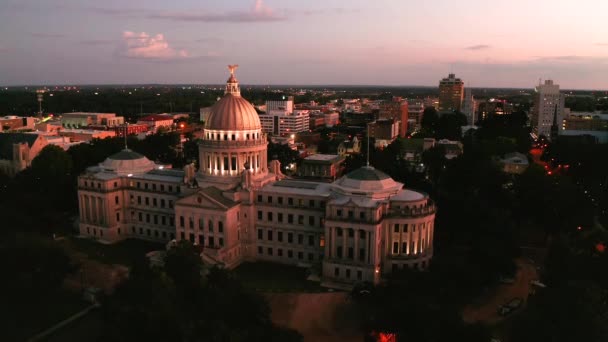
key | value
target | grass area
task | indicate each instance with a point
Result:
(34, 316)
(270, 277)
(124, 252)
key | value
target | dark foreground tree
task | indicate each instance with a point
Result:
(178, 304)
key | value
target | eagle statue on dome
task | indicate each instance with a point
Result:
(232, 68)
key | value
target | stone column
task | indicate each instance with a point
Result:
(333, 242)
(370, 246)
(93, 204)
(81, 208)
(85, 209)
(101, 210)
(344, 249)
(356, 245)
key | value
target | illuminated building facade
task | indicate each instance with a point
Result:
(451, 94)
(547, 100)
(239, 207)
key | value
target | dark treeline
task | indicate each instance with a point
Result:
(483, 217)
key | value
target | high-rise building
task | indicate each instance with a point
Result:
(395, 109)
(468, 106)
(281, 119)
(415, 109)
(547, 100)
(451, 92)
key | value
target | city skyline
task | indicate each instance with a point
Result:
(313, 43)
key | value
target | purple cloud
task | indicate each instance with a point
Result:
(47, 35)
(259, 13)
(94, 42)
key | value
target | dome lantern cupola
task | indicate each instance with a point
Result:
(232, 85)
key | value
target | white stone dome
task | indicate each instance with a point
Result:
(233, 113)
(127, 162)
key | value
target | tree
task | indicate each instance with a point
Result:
(283, 153)
(183, 265)
(52, 165)
(417, 306)
(448, 126)
(430, 118)
(434, 159)
(143, 307)
(179, 304)
(33, 271)
(576, 311)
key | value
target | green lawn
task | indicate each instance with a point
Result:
(34, 316)
(270, 277)
(125, 252)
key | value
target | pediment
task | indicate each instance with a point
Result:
(200, 199)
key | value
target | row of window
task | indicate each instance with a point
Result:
(404, 227)
(280, 218)
(350, 214)
(218, 136)
(153, 187)
(201, 224)
(95, 231)
(290, 201)
(164, 220)
(93, 184)
(350, 232)
(350, 253)
(412, 249)
(397, 267)
(347, 273)
(146, 201)
(280, 237)
(290, 253)
(147, 232)
(230, 163)
(200, 240)
(152, 233)
(139, 185)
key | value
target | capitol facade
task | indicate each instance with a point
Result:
(238, 206)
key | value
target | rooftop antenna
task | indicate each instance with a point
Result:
(40, 97)
(126, 130)
(368, 144)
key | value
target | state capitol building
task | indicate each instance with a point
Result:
(239, 206)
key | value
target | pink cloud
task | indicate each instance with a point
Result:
(142, 45)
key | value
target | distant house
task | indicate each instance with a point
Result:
(156, 121)
(412, 149)
(348, 147)
(322, 166)
(17, 150)
(452, 148)
(514, 163)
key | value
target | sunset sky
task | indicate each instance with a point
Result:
(381, 42)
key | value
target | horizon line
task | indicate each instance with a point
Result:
(276, 85)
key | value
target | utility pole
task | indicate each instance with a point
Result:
(40, 97)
